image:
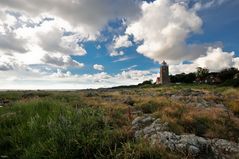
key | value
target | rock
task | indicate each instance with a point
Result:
(148, 119)
(193, 150)
(157, 133)
(149, 130)
(189, 139)
(136, 120)
(137, 112)
(220, 105)
(175, 97)
(142, 121)
(225, 146)
(138, 134)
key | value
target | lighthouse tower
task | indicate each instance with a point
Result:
(164, 73)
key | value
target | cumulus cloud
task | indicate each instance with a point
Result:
(54, 41)
(83, 14)
(116, 53)
(121, 41)
(98, 67)
(215, 60)
(133, 74)
(8, 63)
(162, 30)
(9, 43)
(62, 61)
(62, 79)
(60, 74)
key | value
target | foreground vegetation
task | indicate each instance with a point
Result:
(97, 123)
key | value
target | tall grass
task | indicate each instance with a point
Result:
(48, 128)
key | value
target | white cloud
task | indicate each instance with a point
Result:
(8, 63)
(129, 68)
(116, 53)
(208, 4)
(61, 61)
(60, 74)
(87, 16)
(163, 29)
(98, 67)
(121, 41)
(215, 60)
(61, 79)
(125, 58)
(133, 74)
(54, 41)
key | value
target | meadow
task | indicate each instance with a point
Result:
(97, 123)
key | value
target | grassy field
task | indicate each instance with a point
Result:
(97, 123)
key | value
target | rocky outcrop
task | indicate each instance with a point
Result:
(197, 98)
(157, 132)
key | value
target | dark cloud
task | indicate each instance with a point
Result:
(62, 61)
(91, 14)
(9, 42)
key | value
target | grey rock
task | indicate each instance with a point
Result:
(138, 134)
(220, 105)
(193, 150)
(147, 120)
(149, 130)
(157, 132)
(225, 146)
(136, 120)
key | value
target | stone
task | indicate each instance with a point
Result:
(138, 134)
(137, 112)
(220, 105)
(147, 120)
(148, 130)
(225, 146)
(157, 132)
(136, 120)
(193, 150)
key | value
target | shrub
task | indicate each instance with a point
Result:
(231, 82)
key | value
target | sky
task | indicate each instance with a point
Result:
(79, 44)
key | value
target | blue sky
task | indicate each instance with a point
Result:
(102, 43)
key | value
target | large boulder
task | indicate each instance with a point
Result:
(157, 132)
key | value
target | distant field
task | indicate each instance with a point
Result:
(97, 123)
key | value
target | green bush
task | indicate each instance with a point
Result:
(231, 82)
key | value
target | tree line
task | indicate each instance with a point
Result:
(228, 76)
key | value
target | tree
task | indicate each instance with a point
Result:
(148, 82)
(201, 73)
(228, 73)
(183, 78)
